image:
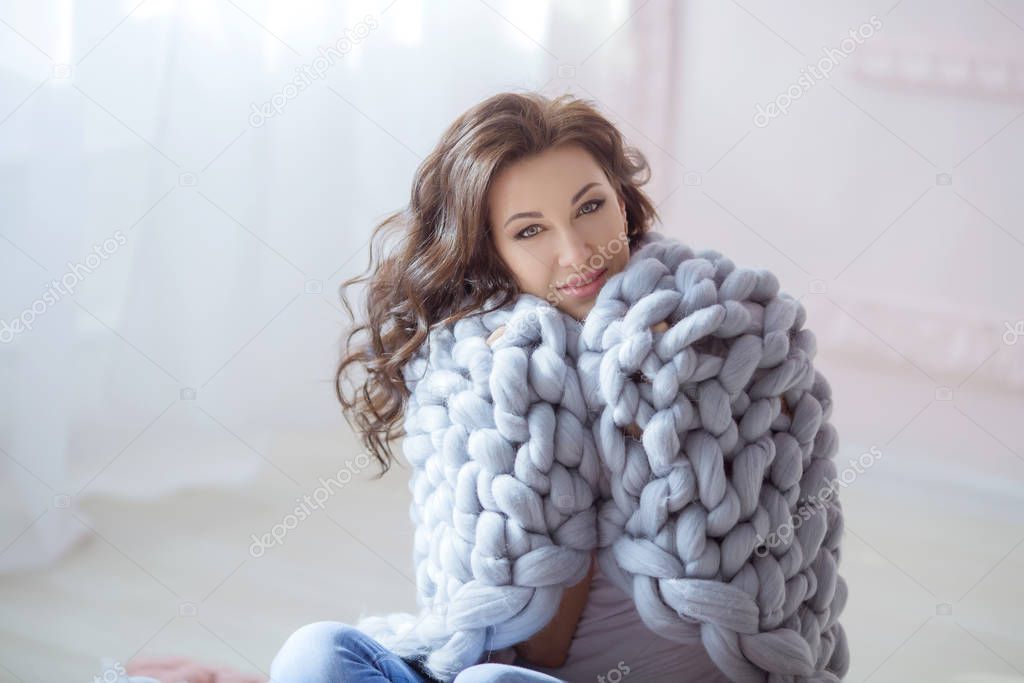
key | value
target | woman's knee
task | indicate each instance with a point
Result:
(321, 634)
(311, 650)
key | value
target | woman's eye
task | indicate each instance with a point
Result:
(522, 233)
(595, 202)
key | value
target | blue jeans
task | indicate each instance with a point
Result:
(335, 652)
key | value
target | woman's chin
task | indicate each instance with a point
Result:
(579, 310)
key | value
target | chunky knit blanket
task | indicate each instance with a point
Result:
(654, 432)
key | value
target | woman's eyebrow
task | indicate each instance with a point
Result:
(538, 214)
(576, 197)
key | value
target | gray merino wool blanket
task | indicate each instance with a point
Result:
(720, 521)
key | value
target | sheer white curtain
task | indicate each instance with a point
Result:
(202, 213)
(169, 263)
(128, 288)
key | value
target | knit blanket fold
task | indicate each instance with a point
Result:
(720, 520)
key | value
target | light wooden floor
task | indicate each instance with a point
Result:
(938, 519)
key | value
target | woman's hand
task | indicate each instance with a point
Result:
(498, 331)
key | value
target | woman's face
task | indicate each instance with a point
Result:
(559, 226)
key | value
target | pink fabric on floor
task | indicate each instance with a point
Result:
(177, 669)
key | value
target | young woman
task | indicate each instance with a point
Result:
(522, 194)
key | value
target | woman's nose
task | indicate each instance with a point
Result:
(573, 250)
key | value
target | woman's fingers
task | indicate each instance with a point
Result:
(496, 335)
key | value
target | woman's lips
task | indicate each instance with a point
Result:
(585, 289)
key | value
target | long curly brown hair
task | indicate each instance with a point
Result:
(443, 265)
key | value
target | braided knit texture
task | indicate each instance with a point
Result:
(721, 520)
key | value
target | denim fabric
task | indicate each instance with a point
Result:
(336, 652)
